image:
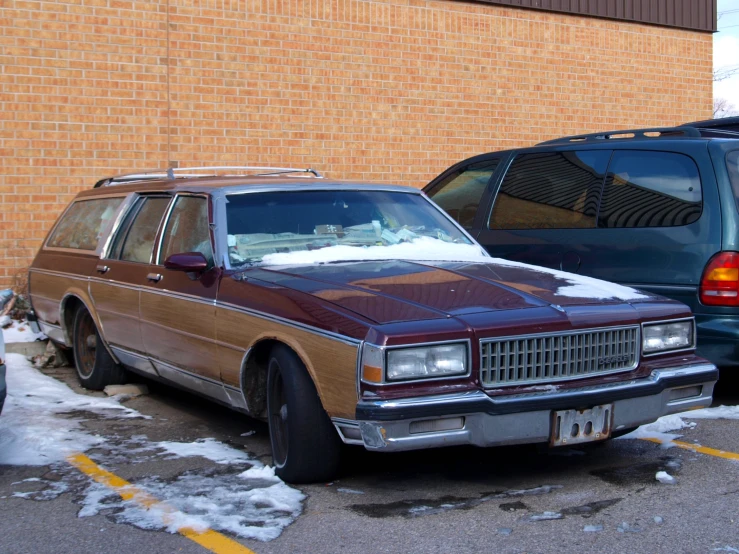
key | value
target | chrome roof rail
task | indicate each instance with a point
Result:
(175, 173)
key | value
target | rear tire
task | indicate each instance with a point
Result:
(95, 367)
(306, 447)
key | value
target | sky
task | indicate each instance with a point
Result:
(726, 50)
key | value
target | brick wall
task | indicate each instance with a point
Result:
(383, 90)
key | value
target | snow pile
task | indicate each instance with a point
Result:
(41, 424)
(666, 478)
(32, 432)
(20, 331)
(211, 449)
(420, 249)
(660, 429)
(245, 505)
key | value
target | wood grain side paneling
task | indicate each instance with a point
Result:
(180, 332)
(47, 292)
(118, 311)
(331, 363)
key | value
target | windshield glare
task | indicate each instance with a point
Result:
(265, 223)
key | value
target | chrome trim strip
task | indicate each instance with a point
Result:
(385, 349)
(556, 379)
(663, 352)
(190, 381)
(165, 222)
(135, 360)
(118, 221)
(53, 273)
(278, 319)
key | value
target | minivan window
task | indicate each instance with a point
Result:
(139, 240)
(551, 190)
(187, 228)
(732, 166)
(650, 189)
(459, 194)
(82, 225)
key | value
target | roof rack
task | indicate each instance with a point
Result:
(723, 123)
(657, 132)
(175, 173)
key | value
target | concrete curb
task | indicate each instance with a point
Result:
(35, 348)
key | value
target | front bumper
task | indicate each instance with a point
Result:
(477, 419)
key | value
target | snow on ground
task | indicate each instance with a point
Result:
(42, 423)
(660, 429)
(20, 331)
(33, 430)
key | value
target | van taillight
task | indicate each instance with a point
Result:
(720, 281)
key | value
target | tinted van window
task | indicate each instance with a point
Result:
(83, 223)
(459, 195)
(732, 166)
(650, 189)
(553, 190)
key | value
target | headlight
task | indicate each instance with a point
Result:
(663, 337)
(426, 362)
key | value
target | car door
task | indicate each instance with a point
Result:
(545, 206)
(463, 192)
(121, 274)
(178, 308)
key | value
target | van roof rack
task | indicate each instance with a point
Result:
(656, 132)
(176, 173)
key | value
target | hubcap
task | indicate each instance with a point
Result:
(85, 346)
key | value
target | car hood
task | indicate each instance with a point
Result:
(393, 291)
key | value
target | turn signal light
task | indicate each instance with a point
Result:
(720, 281)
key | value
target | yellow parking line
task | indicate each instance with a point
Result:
(702, 449)
(213, 541)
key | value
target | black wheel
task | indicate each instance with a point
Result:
(95, 367)
(305, 446)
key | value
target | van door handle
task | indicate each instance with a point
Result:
(102, 268)
(156, 277)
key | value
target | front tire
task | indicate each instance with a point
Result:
(305, 446)
(95, 367)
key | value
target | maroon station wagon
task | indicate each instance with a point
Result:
(351, 313)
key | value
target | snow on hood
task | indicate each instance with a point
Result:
(429, 249)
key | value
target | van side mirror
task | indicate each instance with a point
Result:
(190, 262)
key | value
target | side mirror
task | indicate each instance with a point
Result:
(190, 262)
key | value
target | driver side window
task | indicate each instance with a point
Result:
(459, 194)
(187, 229)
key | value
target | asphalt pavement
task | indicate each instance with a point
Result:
(597, 498)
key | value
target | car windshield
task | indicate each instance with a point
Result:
(335, 225)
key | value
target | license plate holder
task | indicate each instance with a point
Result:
(579, 426)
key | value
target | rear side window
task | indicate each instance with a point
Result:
(650, 189)
(82, 225)
(551, 190)
(135, 241)
(459, 195)
(732, 166)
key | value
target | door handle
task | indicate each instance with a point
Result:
(156, 277)
(102, 268)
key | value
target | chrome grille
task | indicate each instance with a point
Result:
(552, 357)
